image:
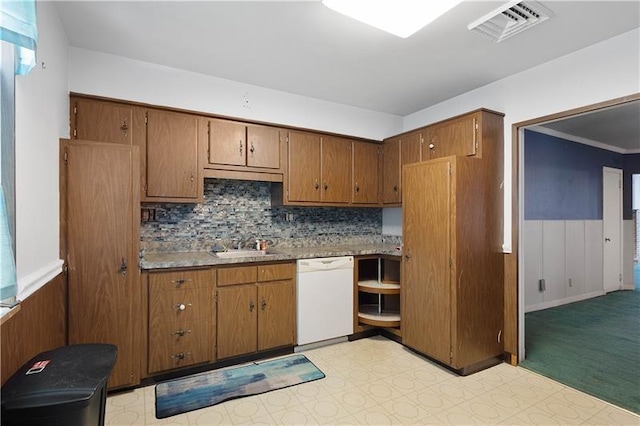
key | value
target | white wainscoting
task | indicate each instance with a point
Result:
(567, 255)
(628, 251)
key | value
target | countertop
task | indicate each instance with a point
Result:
(161, 260)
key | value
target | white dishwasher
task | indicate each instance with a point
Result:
(325, 298)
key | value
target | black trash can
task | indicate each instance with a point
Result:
(66, 387)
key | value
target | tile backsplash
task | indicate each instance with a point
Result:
(241, 211)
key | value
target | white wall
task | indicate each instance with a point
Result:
(601, 72)
(112, 76)
(42, 117)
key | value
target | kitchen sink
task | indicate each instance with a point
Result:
(239, 253)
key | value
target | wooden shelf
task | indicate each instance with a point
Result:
(368, 314)
(377, 287)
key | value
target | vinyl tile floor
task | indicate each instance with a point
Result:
(376, 381)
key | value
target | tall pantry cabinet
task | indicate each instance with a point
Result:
(100, 208)
(452, 268)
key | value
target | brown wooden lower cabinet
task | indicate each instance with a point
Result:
(181, 319)
(255, 315)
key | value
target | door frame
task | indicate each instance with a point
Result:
(513, 292)
(619, 173)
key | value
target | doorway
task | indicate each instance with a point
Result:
(612, 228)
(635, 207)
(606, 111)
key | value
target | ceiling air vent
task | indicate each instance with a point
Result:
(510, 19)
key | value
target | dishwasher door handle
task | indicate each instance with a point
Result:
(325, 264)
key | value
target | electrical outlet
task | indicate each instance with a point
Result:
(147, 215)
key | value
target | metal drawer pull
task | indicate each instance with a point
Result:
(263, 305)
(181, 333)
(181, 355)
(251, 306)
(181, 306)
(181, 281)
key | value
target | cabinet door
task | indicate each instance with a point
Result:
(276, 321)
(411, 148)
(304, 167)
(172, 155)
(237, 320)
(426, 228)
(263, 147)
(391, 171)
(457, 137)
(365, 173)
(102, 215)
(102, 121)
(336, 170)
(227, 143)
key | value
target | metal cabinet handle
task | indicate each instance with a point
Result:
(357, 188)
(407, 255)
(316, 185)
(251, 306)
(395, 188)
(263, 305)
(123, 268)
(240, 149)
(252, 149)
(124, 127)
(326, 186)
(181, 333)
(431, 146)
(607, 240)
(181, 355)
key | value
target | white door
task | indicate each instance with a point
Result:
(612, 227)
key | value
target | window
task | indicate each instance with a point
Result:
(18, 40)
(8, 283)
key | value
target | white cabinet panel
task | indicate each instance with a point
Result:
(553, 259)
(575, 257)
(593, 238)
(532, 255)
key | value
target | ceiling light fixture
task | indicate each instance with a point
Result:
(398, 17)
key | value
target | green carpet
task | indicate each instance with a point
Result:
(592, 346)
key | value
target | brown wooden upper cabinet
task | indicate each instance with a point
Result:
(366, 160)
(319, 169)
(172, 172)
(101, 121)
(398, 151)
(458, 136)
(232, 143)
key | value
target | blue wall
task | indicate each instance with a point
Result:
(563, 179)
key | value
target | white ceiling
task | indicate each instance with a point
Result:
(301, 47)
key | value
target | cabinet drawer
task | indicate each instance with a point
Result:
(169, 349)
(237, 275)
(181, 305)
(181, 280)
(280, 271)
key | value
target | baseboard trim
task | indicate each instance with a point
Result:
(564, 301)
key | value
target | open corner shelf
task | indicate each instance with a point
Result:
(378, 289)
